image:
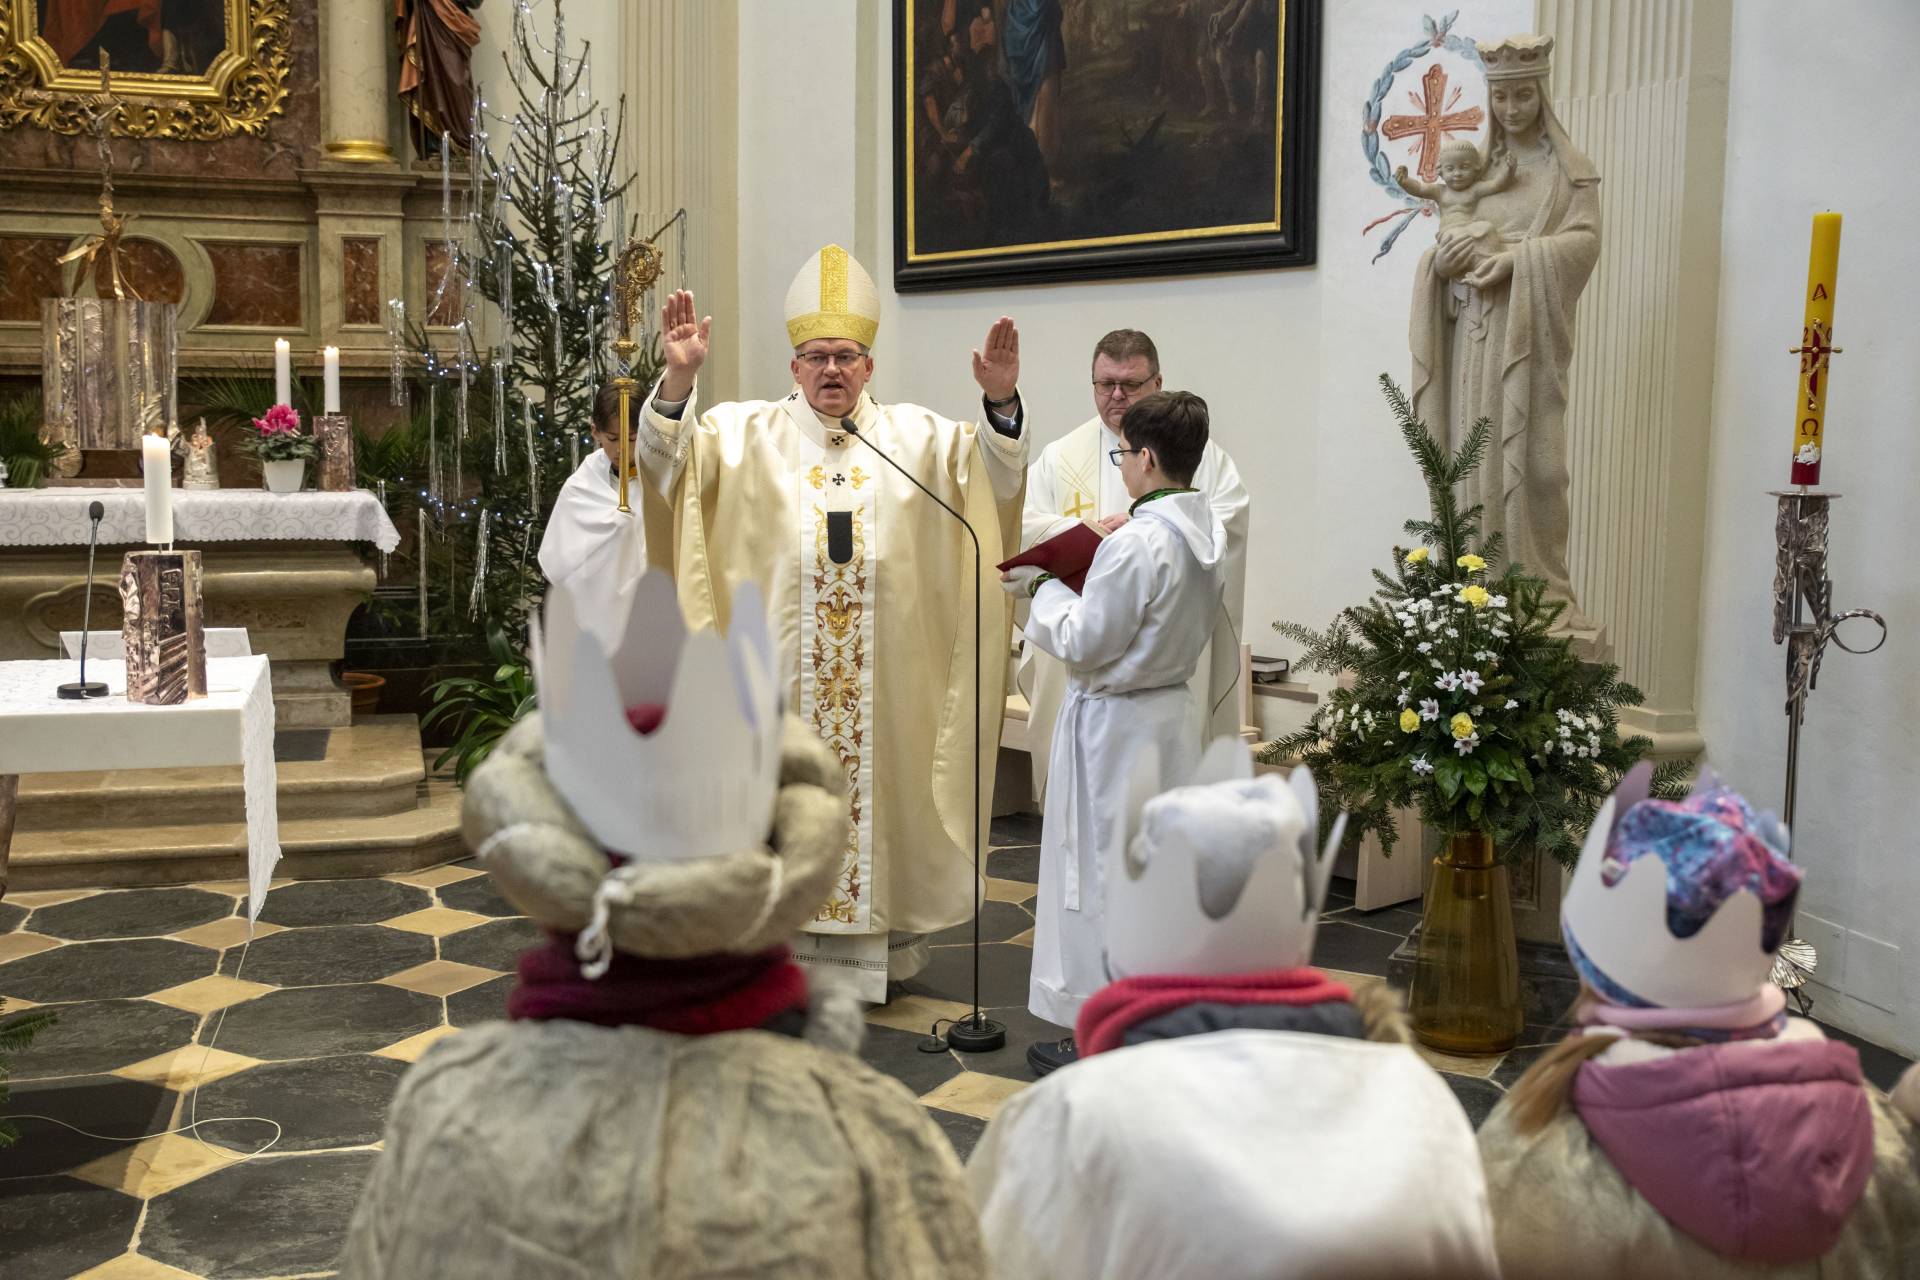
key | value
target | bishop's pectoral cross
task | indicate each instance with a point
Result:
(1080, 505)
(1434, 122)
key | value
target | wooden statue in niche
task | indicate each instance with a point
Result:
(437, 38)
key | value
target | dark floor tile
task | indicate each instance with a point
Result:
(962, 1131)
(320, 1104)
(258, 1218)
(62, 1226)
(477, 895)
(1015, 828)
(1535, 1039)
(1397, 920)
(1340, 891)
(1003, 974)
(11, 916)
(1477, 1097)
(900, 1055)
(484, 1003)
(998, 922)
(131, 913)
(300, 746)
(342, 902)
(1021, 862)
(496, 945)
(314, 1022)
(329, 954)
(1023, 1029)
(122, 1109)
(1882, 1066)
(105, 970)
(90, 1039)
(1339, 945)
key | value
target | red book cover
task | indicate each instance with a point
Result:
(1066, 555)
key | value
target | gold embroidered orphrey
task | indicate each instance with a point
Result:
(244, 87)
(838, 657)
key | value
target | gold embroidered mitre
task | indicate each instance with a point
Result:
(833, 297)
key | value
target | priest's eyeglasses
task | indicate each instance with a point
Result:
(1105, 389)
(817, 360)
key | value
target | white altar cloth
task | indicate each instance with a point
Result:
(40, 732)
(58, 517)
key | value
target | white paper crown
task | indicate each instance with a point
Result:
(703, 781)
(1517, 58)
(1175, 855)
(1622, 928)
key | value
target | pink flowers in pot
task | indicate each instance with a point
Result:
(277, 436)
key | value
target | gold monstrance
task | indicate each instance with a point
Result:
(634, 272)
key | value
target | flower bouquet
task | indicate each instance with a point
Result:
(282, 449)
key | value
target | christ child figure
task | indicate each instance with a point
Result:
(1463, 180)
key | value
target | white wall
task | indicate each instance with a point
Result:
(1859, 815)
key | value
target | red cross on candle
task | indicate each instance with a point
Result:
(1434, 122)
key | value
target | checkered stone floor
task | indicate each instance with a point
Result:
(347, 982)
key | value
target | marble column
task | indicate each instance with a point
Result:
(358, 88)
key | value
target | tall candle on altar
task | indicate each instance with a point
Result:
(330, 357)
(282, 372)
(156, 462)
(1816, 345)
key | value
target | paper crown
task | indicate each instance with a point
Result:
(833, 297)
(699, 774)
(1675, 918)
(1517, 58)
(1223, 875)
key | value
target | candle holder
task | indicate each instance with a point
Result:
(161, 627)
(334, 431)
(1801, 587)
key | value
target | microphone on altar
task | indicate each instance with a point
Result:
(975, 1033)
(83, 687)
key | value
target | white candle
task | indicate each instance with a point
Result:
(331, 358)
(282, 372)
(156, 460)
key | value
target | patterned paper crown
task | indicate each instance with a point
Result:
(1224, 875)
(1678, 905)
(1517, 58)
(669, 747)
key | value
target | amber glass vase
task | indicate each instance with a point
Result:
(1466, 976)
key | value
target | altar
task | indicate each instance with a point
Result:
(290, 568)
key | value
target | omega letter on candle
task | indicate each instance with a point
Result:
(1816, 346)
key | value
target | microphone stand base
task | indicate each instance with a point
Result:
(977, 1033)
(82, 689)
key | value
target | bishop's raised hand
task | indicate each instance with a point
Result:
(996, 367)
(683, 342)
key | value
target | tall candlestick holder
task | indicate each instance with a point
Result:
(334, 433)
(1803, 619)
(161, 628)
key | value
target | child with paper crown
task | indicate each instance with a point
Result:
(665, 1099)
(1130, 641)
(1236, 1114)
(1689, 1127)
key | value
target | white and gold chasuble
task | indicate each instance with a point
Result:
(881, 643)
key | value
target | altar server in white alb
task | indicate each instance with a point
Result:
(866, 580)
(1075, 479)
(1238, 1115)
(593, 548)
(1130, 642)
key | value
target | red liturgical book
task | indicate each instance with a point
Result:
(1066, 555)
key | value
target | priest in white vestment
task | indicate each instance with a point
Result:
(591, 546)
(870, 587)
(1075, 479)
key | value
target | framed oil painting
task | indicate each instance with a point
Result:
(198, 69)
(1045, 140)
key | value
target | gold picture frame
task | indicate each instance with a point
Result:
(242, 86)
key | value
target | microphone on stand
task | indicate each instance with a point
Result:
(83, 687)
(975, 1033)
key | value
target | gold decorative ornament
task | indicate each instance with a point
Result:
(360, 151)
(100, 255)
(634, 272)
(242, 87)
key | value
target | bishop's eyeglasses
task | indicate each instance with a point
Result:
(818, 360)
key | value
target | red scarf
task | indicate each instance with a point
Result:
(697, 996)
(1105, 1019)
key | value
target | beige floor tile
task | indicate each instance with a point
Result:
(204, 995)
(973, 1094)
(1024, 939)
(230, 932)
(10, 1005)
(436, 877)
(187, 1067)
(48, 897)
(915, 1013)
(1458, 1064)
(437, 922)
(440, 977)
(1354, 980)
(18, 946)
(410, 1049)
(154, 1167)
(131, 1266)
(999, 890)
(232, 888)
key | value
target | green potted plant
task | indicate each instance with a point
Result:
(1458, 700)
(282, 448)
(26, 459)
(483, 709)
(16, 1033)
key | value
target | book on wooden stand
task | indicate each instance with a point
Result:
(1067, 555)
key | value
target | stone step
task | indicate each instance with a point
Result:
(372, 768)
(311, 848)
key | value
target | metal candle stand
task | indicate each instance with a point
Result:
(1800, 587)
(334, 434)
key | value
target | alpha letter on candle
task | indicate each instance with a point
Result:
(1816, 346)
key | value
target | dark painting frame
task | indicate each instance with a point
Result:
(1283, 237)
